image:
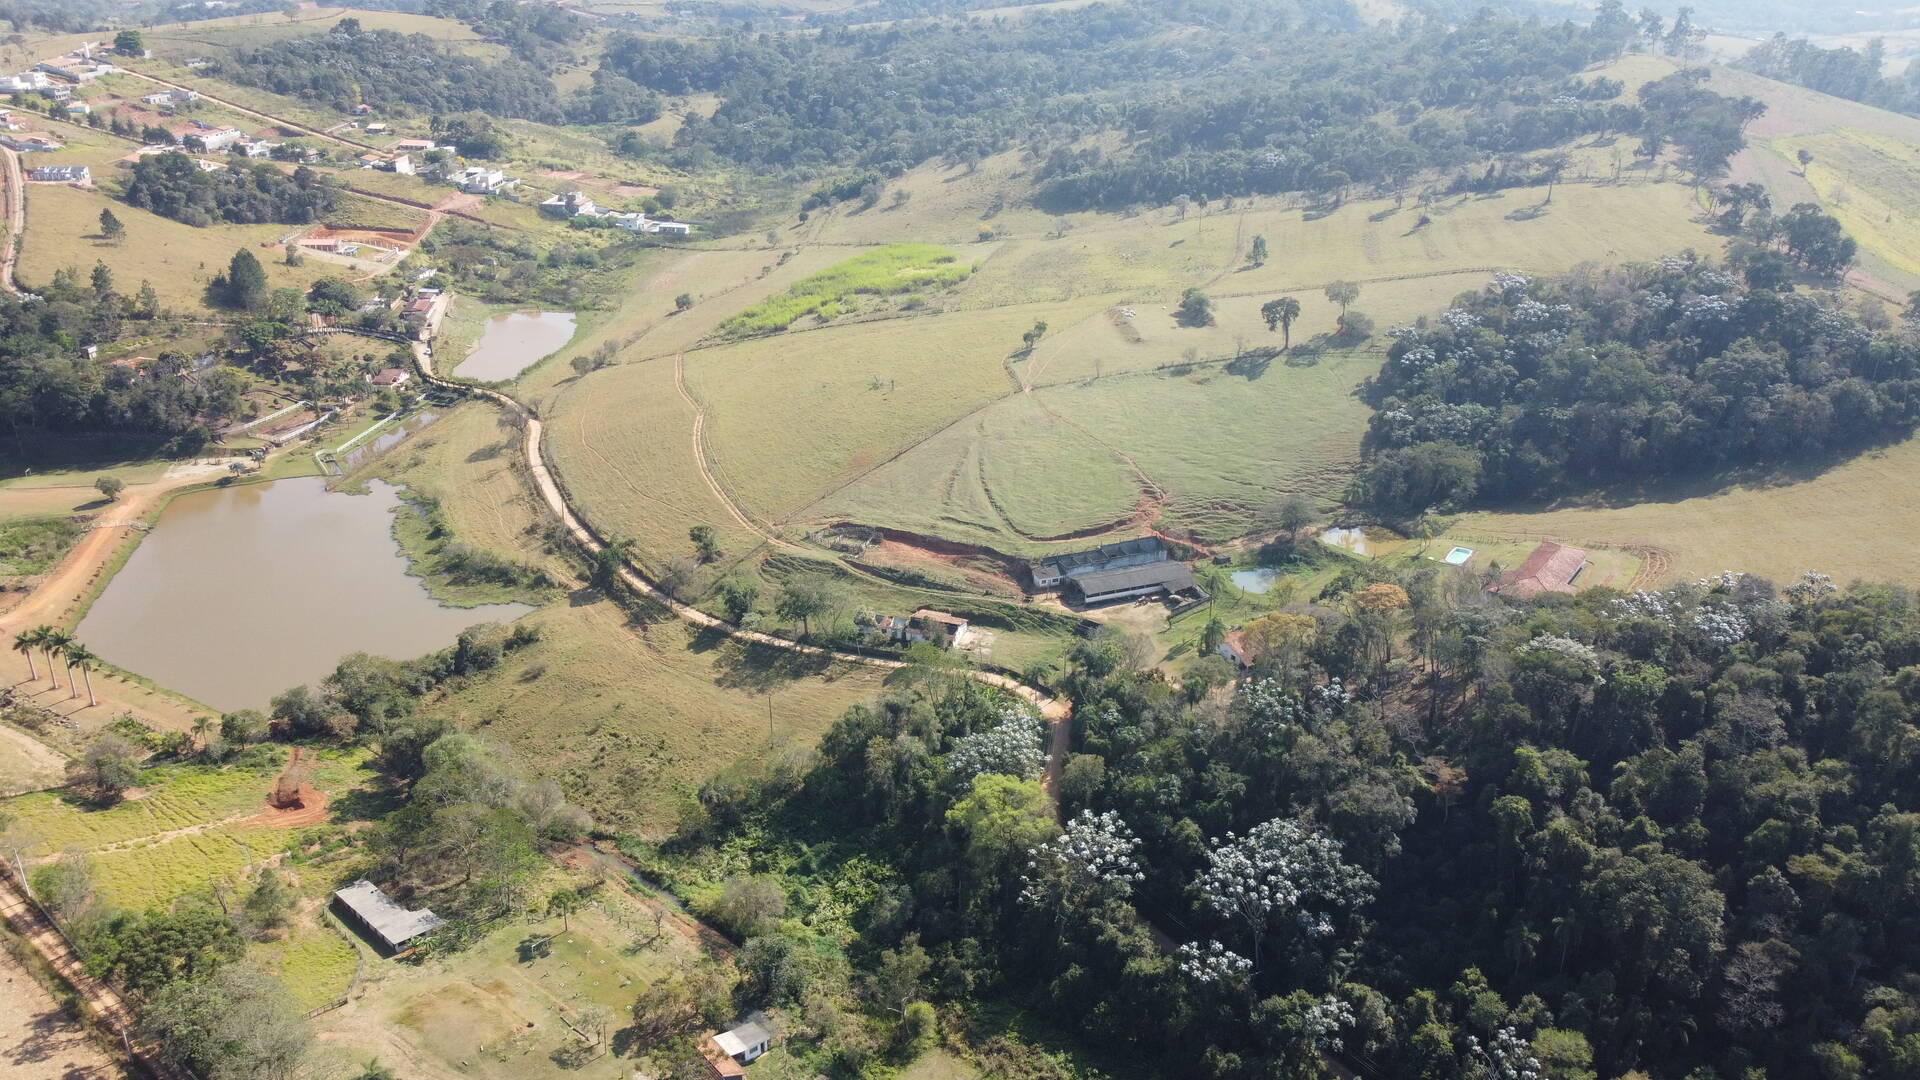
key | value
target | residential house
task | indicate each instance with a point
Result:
(366, 906)
(212, 140)
(1548, 568)
(27, 82)
(377, 129)
(480, 180)
(1234, 648)
(371, 161)
(414, 146)
(79, 108)
(9, 123)
(402, 165)
(1052, 572)
(928, 625)
(255, 148)
(729, 1052)
(423, 311)
(571, 204)
(641, 223)
(167, 99)
(62, 174)
(25, 141)
(392, 376)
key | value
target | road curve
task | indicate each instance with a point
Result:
(1056, 711)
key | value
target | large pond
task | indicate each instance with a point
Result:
(514, 341)
(239, 593)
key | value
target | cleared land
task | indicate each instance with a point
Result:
(38, 1039)
(27, 764)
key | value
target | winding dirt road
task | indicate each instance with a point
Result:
(16, 220)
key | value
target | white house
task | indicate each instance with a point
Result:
(62, 174)
(571, 204)
(641, 223)
(25, 82)
(480, 180)
(213, 140)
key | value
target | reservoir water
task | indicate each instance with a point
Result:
(514, 341)
(239, 593)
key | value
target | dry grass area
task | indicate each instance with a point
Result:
(1853, 521)
(27, 764)
(38, 1039)
(63, 227)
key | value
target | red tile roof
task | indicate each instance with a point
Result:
(1550, 568)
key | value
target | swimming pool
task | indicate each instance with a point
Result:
(1458, 556)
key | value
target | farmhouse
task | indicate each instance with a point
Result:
(1550, 568)
(928, 625)
(641, 223)
(1234, 647)
(1052, 572)
(413, 145)
(366, 906)
(727, 1052)
(167, 99)
(392, 376)
(62, 174)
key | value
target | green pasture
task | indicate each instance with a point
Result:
(883, 272)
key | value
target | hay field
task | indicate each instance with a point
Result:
(794, 417)
(63, 223)
(1855, 521)
(1871, 182)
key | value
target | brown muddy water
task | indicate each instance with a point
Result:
(514, 341)
(239, 593)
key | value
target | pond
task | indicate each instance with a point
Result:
(514, 341)
(1371, 540)
(1258, 580)
(239, 593)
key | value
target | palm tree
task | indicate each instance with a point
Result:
(56, 643)
(79, 656)
(201, 725)
(24, 643)
(564, 902)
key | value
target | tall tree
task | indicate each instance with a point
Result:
(1280, 314)
(81, 659)
(24, 643)
(110, 226)
(246, 281)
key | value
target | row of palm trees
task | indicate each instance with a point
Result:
(58, 646)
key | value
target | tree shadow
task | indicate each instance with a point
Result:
(758, 668)
(368, 802)
(1529, 213)
(1251, 365)
(1383, 214)
(585, 596)
(534, 947)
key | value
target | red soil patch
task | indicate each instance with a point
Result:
(311, 811)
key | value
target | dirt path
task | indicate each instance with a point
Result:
(38, 1040)
(700, 456)
(16, 220)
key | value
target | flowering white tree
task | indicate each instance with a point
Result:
(1508, 1057)
(1281, 868)
(1094, 857)
(1014, 746)
(1272, 711)
(1212, 963)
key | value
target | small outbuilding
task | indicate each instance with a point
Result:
(372, 910)
(728, 1052)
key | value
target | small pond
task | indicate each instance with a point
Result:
(1371, 540)
(239, 593)
(514, 341)
(1258, 580)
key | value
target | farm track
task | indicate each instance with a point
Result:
(107, 1006)
(16, 220)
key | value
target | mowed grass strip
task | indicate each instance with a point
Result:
(792, 418)
(1855, 521)
(886, 271)
(63, 229)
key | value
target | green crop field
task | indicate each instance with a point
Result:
(887, 271)
(63, 227)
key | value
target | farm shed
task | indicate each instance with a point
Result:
(364, 904)
(1550, 567)
(1052, 572)
(1123, 583)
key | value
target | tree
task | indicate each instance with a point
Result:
(1281, 314)
(111, 487)
(1212, 634)
(896, 981)
(269, 901)
(81, 659)
(146, 952)
(683, 302)
(706, 543)
(110, 226)
(109, 767)
(1343, 293)
(806, 599)
(1002, 817)
(1195, 310)
(1281, 867)
(748, 904)
(102, 280)
(237, 1024)
(1095, 859)
(246, 281)
(64, 886)
(1032, 337)
(55, 643)
(1805, 158)
(581, 365)
(1013, 747)
(1259, 252)
(243, 726)
(1294, 513)
(24, 643)
(563, 903)
(130, 43)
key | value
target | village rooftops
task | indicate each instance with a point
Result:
(1550, 568)
(386, 920)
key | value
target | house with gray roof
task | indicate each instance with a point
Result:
(366, 906)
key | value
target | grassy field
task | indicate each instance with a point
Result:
(844, 288)
(32, 545)
(63, 228)
(1870, 182)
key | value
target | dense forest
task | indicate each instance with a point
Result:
(1841, 71)
(173, 185)
(348, 65)
(1672, 832)
(1534, 388)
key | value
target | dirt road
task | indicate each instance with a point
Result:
(38, 1040)
(16, 220)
